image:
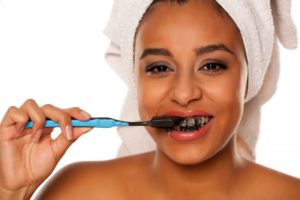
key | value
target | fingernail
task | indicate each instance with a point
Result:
(38, 135)
(85, 114)
(69, 132)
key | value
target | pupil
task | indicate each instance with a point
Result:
(161, 68)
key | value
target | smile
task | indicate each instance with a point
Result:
(191, 124)
(190, 127)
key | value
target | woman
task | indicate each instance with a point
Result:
(189, 60)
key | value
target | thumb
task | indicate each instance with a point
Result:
(61, 144)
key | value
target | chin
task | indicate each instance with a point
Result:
(188, 154)
(195, 153)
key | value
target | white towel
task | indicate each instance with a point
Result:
(261, 23)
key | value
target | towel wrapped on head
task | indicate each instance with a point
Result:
(261, 23)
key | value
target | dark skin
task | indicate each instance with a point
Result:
(207, 168)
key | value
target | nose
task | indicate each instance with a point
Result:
(185, 90)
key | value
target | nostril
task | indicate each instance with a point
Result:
(185, 92)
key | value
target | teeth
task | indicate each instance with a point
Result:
(183, 123)
(177, 128)
(205, 120)
(192, 123)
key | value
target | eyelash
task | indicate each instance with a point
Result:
(213, 67)
(158, 68)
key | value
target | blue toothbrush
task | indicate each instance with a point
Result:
(162, 122)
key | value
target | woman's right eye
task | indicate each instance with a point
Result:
(158, 68)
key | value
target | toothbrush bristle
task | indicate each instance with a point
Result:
(164, 122)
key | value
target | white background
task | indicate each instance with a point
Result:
(53, 52)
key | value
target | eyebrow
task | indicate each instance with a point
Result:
(212, 48)
(198, 51)
(155, 51)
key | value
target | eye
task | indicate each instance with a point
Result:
(158, 68)
(213, 67)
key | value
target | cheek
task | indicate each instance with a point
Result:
(151, 94)
(229, 89)
(224, 92)
(227, 94)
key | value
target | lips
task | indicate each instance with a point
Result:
(188, 114)
(188, 129)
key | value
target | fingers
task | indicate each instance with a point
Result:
(60, 116)
(18, 118)
(78, 113)
(14, 116)
(13, 123)
(63, 117)
(60, 144)
(37, 117)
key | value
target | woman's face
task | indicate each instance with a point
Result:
(190, 62)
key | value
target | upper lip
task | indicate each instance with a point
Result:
(187, 114)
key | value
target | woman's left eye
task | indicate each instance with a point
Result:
(213, 67)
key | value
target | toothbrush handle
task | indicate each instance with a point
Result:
(94, 122)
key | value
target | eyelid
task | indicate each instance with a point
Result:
(157, 64)
(218, 61)
(214, 63)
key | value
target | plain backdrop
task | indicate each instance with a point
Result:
(53, 51)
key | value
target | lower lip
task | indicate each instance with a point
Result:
(180, 136)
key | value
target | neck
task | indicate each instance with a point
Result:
(215, 174)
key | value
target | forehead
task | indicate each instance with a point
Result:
(195, 19)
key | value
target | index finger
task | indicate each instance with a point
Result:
(14, 116)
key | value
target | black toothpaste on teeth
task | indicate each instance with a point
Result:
(191, 124)
(176, 123)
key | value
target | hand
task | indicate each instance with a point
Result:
(28, 156)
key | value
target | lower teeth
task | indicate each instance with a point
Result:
(186, 129)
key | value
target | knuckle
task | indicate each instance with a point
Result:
(24, 117)
(30, 102)
(76, 108)
(17, 114)
(47, 106)
(66, 118)
(40, 120)
(63, 117)
(12, 109)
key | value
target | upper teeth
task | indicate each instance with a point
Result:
(191, 122)
(194, 121)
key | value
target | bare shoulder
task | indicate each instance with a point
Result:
(271, 184)
(94, 180)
